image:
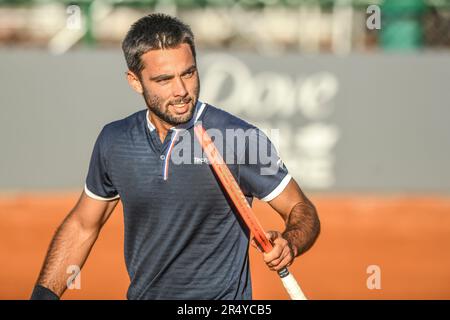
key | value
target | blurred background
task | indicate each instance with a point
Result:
(359, 94)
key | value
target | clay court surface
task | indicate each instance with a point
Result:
(407, 237)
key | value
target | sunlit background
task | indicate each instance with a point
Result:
(355, 94)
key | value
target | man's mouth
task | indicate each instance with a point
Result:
(182, 107)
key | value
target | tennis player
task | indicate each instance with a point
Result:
(182, 238)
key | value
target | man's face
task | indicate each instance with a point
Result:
(170, 83)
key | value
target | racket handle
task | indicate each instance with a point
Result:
(291, 285)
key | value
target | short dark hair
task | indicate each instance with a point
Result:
(155, 31)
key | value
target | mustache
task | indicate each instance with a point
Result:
(179, 101)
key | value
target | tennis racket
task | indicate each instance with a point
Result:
(242, 206)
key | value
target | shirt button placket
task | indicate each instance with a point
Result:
(162, 158)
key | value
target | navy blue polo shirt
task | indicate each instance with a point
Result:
(182, 238)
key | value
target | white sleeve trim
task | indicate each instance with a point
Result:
(96, 197)
(279, 189)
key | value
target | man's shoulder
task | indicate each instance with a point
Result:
(220, 119)
(118, 128)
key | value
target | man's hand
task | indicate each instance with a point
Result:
(282, 255)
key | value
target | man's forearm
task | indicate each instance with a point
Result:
(302, 227)
(70, 246)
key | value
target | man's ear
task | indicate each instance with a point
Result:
(134, 82)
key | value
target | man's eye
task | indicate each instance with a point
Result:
(189, 74)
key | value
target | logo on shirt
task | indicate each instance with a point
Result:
(198, 160)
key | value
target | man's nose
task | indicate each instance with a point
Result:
(179, 88)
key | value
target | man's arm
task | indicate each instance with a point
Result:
(72, 243)
(301, 231)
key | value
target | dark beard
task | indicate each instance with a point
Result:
(155, 106)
